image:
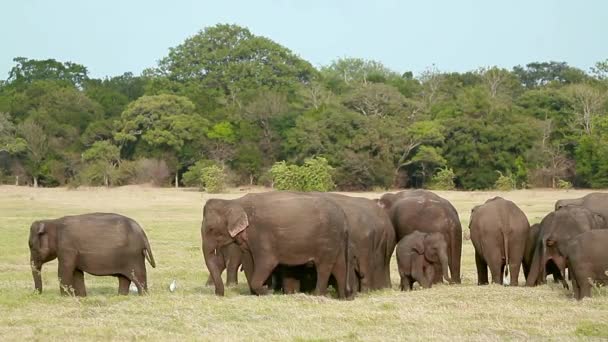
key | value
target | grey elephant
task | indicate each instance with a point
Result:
(100, 244)
(556, 231)
(229, 259)
(499, 230)
(587, 261)
(597, 202)
(418, 255)
(424, 211)
(279, 228)
(529, 254)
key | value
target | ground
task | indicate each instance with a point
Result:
(172, 221)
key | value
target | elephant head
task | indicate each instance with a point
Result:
(223, 222)
(387, 200)
(436, 251)
(43, 248)
(566, 202)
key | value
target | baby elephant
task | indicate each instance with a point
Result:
(587, 261)
(98, 243)
(419, 256)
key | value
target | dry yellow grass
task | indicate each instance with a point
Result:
(172, 220)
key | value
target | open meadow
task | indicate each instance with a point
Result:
(172, 220)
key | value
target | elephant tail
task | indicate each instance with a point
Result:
(349, 264)
(505, 239)
(148, 252)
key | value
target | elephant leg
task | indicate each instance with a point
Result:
(437, 274)
(232, 270)
(428, 277)
(514, 273)
(123, 285)
(405, 283)
(67, 266)
(291, 285)
(79, 288)
(261, 272)
(482, 270)
(339, 272)
(365, 275)
(323, 273)
(139, 277)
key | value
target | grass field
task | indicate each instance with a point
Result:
(172, 218)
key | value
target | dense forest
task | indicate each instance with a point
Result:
(243, 102)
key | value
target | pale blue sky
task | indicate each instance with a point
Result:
(111, 37)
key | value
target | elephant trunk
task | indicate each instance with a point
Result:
(209, 252)
(36, 274)
(443, 258)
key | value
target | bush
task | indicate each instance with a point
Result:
(443, 180)
(213, 179)
(193, 177)
(563, 184)
(314, 175)
(504, 182)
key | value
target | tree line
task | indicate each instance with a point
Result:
(242, 102)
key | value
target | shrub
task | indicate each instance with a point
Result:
(213, 179)
(314, 175)
(193, 177)
(504, 182)
(443, 180)
(563, 184)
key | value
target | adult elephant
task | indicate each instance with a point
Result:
(372, 242)
(279, 228)
(372, 239)
(529, 254)
(499, 230)
(229, 259)
(587, 260)
(597, 202)
(424, 211)
(98, 243)
(556, 230)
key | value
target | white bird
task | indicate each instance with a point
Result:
(173, 286)
(133, 288)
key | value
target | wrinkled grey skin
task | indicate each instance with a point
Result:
(98, 243)
(587, 261)
(279, 228)
(597, 202)
(424, 211)
(556, 230)
(418, 255)
(229, 259)
(499, 230)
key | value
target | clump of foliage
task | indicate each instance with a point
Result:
(443, 180)
(504, 182)
(194, 176)
(314, 175)
(564, 184)
(213, 179)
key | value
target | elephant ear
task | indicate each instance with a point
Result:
(419, 246)
(599, 220)
(237, 220)
(386, 201)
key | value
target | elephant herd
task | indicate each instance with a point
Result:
(304, 242)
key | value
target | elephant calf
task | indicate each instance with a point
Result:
(98, 243)
(418, 255)
(587, 261)
(499, 231)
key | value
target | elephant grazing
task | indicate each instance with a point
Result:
(499, 231)
(556, 231)
(597, 202)
(587, 261)
(424, 211)
(98, 243)
(418, 255)
(279, 228)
